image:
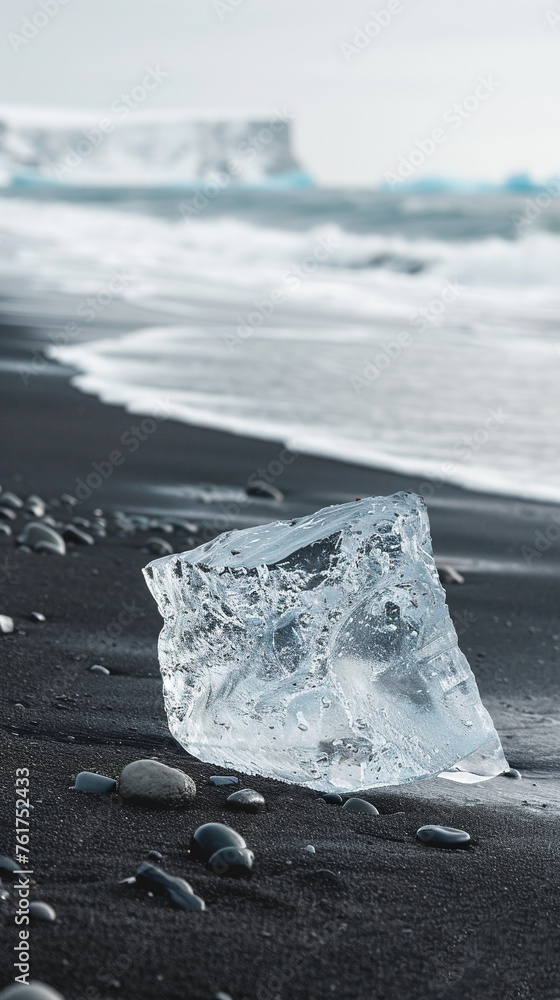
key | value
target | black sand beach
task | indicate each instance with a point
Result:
(372, 914)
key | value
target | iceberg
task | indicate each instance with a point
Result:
(41, 147)
(321, 651)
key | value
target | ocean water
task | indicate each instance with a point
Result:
(414, 333)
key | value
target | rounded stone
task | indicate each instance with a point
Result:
(221, 780)
(512, 772)
(246, 800)
(443, 836)
(98, 668)
(71, 533)
(6, 624)
(151, 783)
(233, 862)
(360, 805)
(7, 513)
(42, 911)
(8, 867)
(333, 798)
(159, 546)
(261, 489)
(96, 784)
(37, 616)
(51, 548)
(42, 538)
(212, 837)
(179, 891)
(11, 500)
(5, 530)
(33, 991)
(154, 856)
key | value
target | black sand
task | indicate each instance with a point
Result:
(372, 914)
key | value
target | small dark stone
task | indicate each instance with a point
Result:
(5, 530)
(81, 522)
(512, 772)
(220, 780)
(212, 837)
(98, 668)
(159, 546)
(35, 505)
(261, 489)
(96, 784)
(235, 862)
(443, 836)
(8, 867)
(42, 538)
(221, 996)
(178, 890)
(42, 911)
(73, 534)
(449, 575)
(11, 500)
(7, 513)
(246, 800)
(37, 616)
(360, 805)
(154, 856)
(333, 798)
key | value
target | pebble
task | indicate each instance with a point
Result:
(246, 800)
(98, 668)
(73, 534)
(309, 848)
(96, 784)
(7, 513)
(42, 911)
(449, 575)
(6, 624)
(37, 616)
(5, 530)
(443, 836)
(512, 772)
(223, 779)
(159, 546)
(235, 862)
(212, 837)
(151, 783)
(33, 991)
(222, 996)
(360, 805)
(178, 890)
(333, 798)
(42, 538)
(11, 500)
(154, 856)
(35, 505)
(8, 867)
(261, 489)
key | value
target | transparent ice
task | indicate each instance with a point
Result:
(321, 651)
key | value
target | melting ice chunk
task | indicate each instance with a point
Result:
(321, 651)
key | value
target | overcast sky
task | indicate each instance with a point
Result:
(357, 111)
